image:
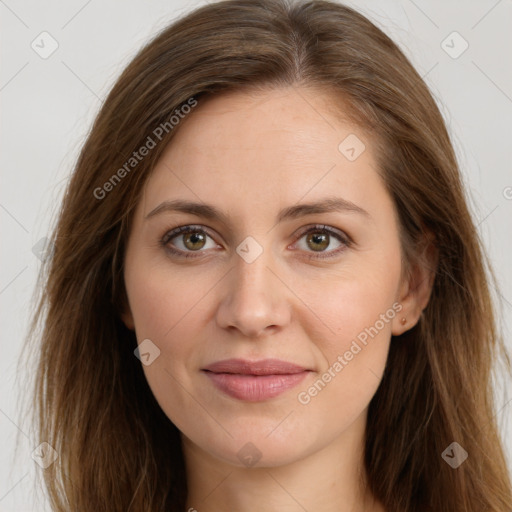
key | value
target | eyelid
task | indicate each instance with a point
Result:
(329, 229)
(341, 236)
(172, 233)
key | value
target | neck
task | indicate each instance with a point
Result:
(331, 479)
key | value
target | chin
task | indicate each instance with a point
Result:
(259, 453)
(260, 442)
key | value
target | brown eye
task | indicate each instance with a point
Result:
(318, 241)
(319, 238)
(194, 241)
(186, 239)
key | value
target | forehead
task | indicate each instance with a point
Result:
(250, 119)
(273, 146)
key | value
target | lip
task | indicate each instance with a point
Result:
(255, 381)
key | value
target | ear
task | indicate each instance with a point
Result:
(416, 286)
(126, 312)
(127, 318)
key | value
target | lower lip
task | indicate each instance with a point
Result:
(255, 388)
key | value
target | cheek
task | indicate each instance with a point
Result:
(164, 300)
(356, 310)
(167, 310)
(356, 305)
(170, 306)
(359, 323)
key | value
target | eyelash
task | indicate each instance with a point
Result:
(318, 228)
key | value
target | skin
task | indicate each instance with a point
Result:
(251, 155)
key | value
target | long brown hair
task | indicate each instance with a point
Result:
(117, 449)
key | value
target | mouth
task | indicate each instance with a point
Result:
(255, 381)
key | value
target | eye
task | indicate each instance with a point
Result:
(194, 238)
(191, 238)
(319, 237)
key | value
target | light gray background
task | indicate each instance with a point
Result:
(48, 106)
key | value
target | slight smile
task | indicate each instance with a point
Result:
(255, 381)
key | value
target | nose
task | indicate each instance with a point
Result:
(255, 300)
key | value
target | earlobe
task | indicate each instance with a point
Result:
(402, 321)
(127, 319)
(125, 311)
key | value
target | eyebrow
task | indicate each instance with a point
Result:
(329, 204)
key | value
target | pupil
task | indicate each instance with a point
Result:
(194, 238)
(319, 238)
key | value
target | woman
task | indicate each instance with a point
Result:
(266, 291)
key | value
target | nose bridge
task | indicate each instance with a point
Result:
(253, 287)
(254, 299)
(252, 273)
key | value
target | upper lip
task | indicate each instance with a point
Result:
(261, 367)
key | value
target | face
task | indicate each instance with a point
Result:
(317, 289)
